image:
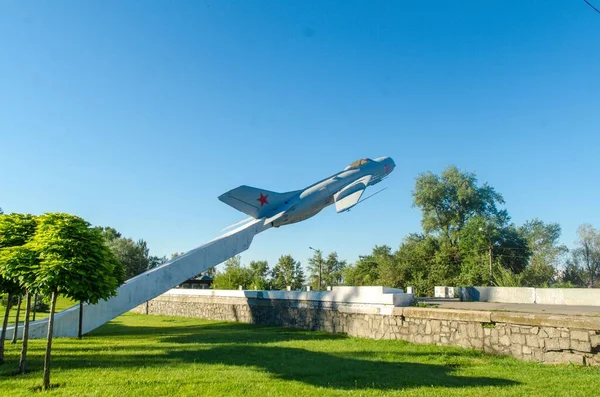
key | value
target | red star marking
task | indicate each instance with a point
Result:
(388, 168)
(263, 199)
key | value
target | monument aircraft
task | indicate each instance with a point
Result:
(266, 209)
(344, 188)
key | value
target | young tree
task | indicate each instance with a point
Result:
(10, 288)
(21, 264)
(75, 262)
(17, 315)
(17, 268)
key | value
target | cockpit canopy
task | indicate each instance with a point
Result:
(359, 163)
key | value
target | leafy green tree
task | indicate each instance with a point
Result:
(334, 270)
(75, 262)
(506, 278)
(259, 272)
(109, 233)
(543, 240)
(420, 263)
(134, 255)
(328, 271)
(288, 272)
(21, 264)
(573, 274)
(17, 268)
(156, 261)
(467, 221)
(233, 276)
(363, 272)
(450, 200)
(11, 288)
(387, 266)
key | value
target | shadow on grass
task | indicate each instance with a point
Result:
(332, 371)
(294, 364)
(246, 345)
(214, 333)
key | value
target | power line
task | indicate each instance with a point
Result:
(594, 8)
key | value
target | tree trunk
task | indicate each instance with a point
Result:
(35, 299)
(79, 332)
(25, 334)
(16, 330)
(46, 384)
(4, 326)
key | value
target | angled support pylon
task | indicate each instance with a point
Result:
(149, 285)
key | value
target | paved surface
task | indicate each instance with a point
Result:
(513, 307)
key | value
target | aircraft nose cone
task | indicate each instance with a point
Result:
(389, 165)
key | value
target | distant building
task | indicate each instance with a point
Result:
(199, 282)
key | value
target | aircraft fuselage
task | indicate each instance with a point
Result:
(314, 198)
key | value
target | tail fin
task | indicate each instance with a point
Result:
(257, 203)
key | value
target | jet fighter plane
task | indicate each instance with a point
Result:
(344, 188)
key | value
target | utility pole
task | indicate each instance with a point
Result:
(490, 251)
(491, 262)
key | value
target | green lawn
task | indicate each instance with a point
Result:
(138, 355)
(61, 304)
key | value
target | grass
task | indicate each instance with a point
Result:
(138, 355)
(61, 304)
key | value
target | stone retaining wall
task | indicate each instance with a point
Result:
(531, 337)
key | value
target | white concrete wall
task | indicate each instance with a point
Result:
(498, 294)
(568, 296)
(542, 296)
(359, 295)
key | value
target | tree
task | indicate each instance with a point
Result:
(10, 288)
(316, 265)
(334, 270)
(449, 201)
(363, 272)
(325, 271)
(474, 234)
(288, 272)
(588, 251)
(156, 261)
(543, 241)
(21, 264)
(573, 274)
(17, 269)
(133, 255)
(109, 233)
(75, 262)
(233, 276)
(259, 273)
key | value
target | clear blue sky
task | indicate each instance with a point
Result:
(138, 114)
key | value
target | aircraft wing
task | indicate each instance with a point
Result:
(350, 195)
